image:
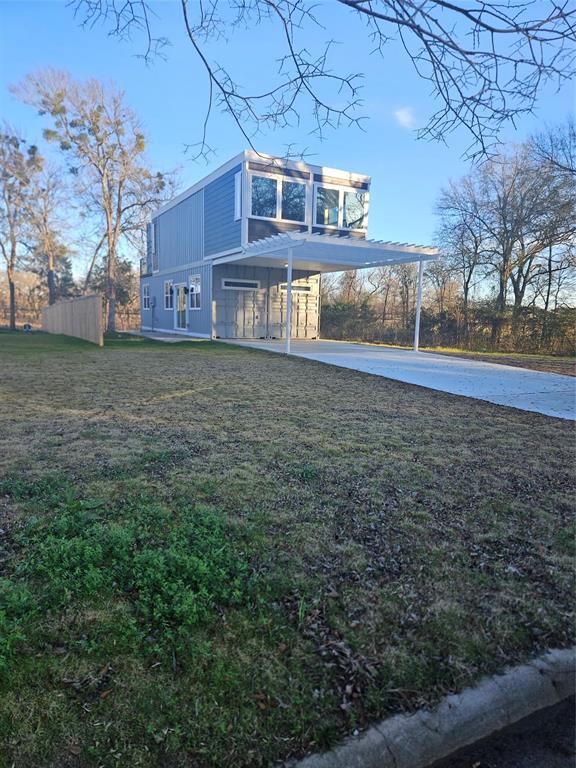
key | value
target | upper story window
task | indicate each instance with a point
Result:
(264, 197)
(354, 211)
(293, 201)
(341, 207)
(327, 206)
(278, 198)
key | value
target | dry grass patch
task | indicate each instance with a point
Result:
(214, 556)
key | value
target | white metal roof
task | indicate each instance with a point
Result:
(327, 253)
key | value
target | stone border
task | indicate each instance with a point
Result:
(420, 739)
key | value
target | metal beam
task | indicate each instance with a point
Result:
(418, 307)
(289, 301)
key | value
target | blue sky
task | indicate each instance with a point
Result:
(170, 98)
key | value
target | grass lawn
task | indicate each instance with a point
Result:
(213, 556)
(565, 365)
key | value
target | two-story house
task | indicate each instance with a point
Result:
(240, 254)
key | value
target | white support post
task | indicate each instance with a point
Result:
(289, 301)
(418, 307)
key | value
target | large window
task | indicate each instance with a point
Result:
(327, 206)
(168, 295)
(341, 207)
(278, 199)
(194, 292)
(264, 197)
(353, 213)
(293, 201)
(146, 296)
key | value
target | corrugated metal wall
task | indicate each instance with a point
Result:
(198, 320)
(262, 313)
(222, 233)
(180, 233)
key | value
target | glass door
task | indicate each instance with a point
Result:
(180, 308)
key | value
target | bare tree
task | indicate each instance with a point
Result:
(45, 226)
(504, 217)
(461, 236)
(105, 144)
(19, 163)
(407, 279)
(486, 60)
(557, 147)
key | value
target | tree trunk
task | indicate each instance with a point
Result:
(544, 337)
(51, 278)
(12, 292)
(111, 291)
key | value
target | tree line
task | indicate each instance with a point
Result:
(88, 202)
(506, 278)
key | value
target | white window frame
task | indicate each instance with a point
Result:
(279, 178)
(238, 196)
(192, 279)
(175, 287)
(342, 188)
(239, 280)
(168, 297)
(296, 288)
(155, 265)
(146, 296)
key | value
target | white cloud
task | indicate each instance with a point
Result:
(404, 116)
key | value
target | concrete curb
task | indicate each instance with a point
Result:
(422, 738)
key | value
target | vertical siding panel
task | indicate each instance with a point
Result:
(222, 233)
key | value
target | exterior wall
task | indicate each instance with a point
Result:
(262, 313)
(180, 233)
(198, 321)
(221, 232)
(260, 228)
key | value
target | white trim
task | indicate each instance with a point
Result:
(168, 295)
(213, 256)
(249, 155)
(296, 165)
(194, 293)
(180, 267)
(283, 288)
(176, 330)
(418, 307)
(236, 160)
(342, 188)
(289, 301)
(238, 196)
(239, 280)
(146, 297)
(176, 310)
(277, 177)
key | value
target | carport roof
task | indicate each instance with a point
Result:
(327, 253)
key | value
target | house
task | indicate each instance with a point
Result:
(240, 254)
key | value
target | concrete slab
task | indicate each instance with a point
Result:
(549, 393)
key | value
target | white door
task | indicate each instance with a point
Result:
(180, 313)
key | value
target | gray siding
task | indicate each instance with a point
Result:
(222, 233)
(260, 228)
(262, 313)
(180, 233)
(199, 321)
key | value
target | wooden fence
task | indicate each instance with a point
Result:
(80, 317)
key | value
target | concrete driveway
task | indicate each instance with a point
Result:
(547, 393)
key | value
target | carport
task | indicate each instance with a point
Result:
(321, 253)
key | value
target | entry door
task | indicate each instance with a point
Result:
(180, 307)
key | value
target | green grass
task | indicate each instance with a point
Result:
(212, 556)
